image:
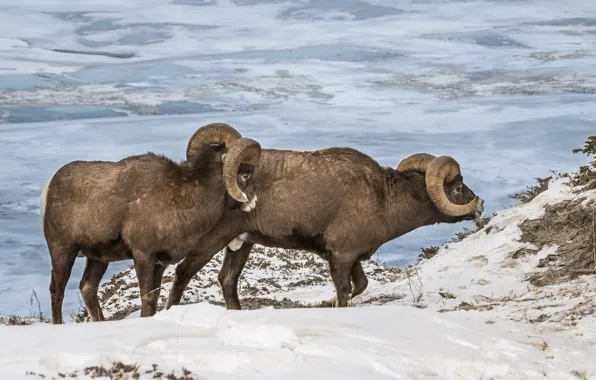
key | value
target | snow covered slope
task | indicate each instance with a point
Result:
(379, 342)
(469, 312)
(486, 272)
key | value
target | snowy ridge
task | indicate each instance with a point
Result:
(466, 313)
(482, 270)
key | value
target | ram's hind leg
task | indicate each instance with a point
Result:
(359, 279)
(63, 256)
(360, 283)
(231, 268)
(156, 288)
(94, 271)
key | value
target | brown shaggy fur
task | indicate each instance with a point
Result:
(146, 208)
(337, 202)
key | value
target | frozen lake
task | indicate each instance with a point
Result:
(506, 87)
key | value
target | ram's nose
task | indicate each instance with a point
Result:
(479, 208)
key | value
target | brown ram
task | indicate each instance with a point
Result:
(146, 208)
(338, 203)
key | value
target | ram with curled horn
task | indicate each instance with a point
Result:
(338, 203)
(146, 208)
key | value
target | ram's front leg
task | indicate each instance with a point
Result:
(233, 263)
(341, 268)
(145, 268)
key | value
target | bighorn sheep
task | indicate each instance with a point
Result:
(146, 208)
(338, 203)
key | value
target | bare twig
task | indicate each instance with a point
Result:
(34, 296)
(527, 171)
(415, 297)
(544, 344)
(594, 237)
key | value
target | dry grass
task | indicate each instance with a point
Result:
(253, 303)
(415, 284)
(121, 371)
(15, 320)
(35, 314)
(571, 226)
(479, 224)
(580, 374)
(429, 252)
(383, 299)
(533, 191)
(544, 345)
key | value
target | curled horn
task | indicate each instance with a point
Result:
(243, 151)
(210, 134)
(240, 151)
(438, 170)
(418, 162)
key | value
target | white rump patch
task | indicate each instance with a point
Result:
(43, 199)
(237, 242)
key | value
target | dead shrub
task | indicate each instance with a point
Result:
(121, 371)
(533, 191)
(14, 320)
(586, 175)
(429, 252)
(571, 226)
(479, 224)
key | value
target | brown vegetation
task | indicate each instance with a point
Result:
(532, 191)
(121, 371)
(15, 320)
(570, 225)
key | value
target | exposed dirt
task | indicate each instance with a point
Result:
(571, 226)
(252, 303)
(586, 177)
(121, 371)
(386, 298)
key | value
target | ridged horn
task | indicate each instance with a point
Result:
(214, 133)
(418, 161)
(440, 170)
(241, 151)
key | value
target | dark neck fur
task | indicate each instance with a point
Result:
(407, 204)
(205, 166)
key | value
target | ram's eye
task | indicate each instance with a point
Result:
(245, 177)
(458, 189)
